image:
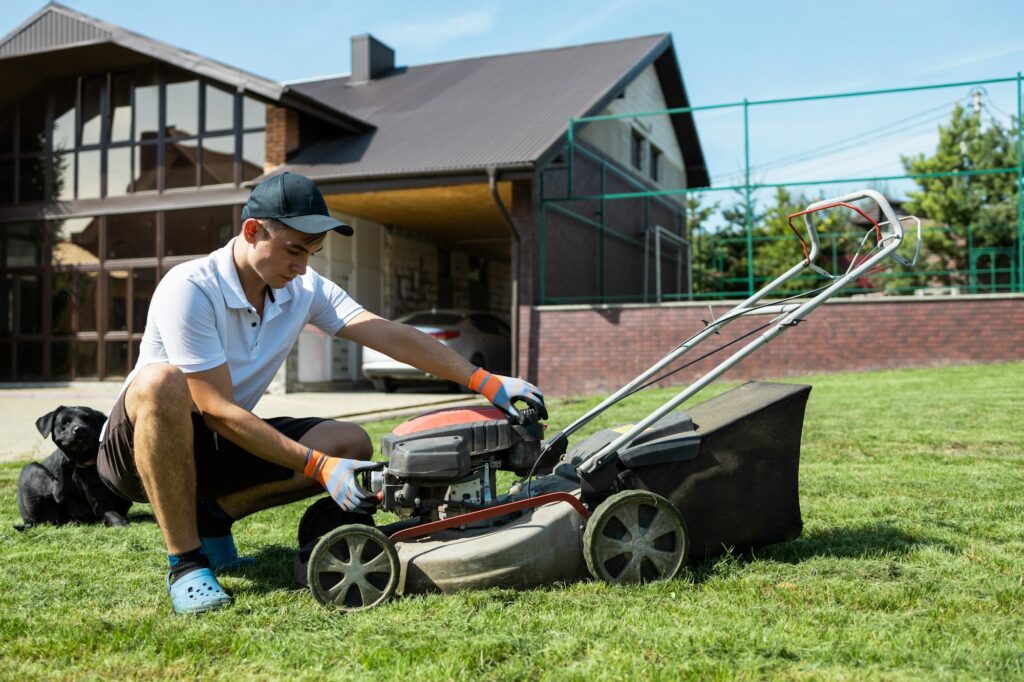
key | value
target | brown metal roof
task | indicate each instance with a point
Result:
(505, 111)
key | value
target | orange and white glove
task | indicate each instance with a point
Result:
(501, 391)
(339, 477)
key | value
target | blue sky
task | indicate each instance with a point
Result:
(728, 50)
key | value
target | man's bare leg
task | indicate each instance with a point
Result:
(338, 439)
(159, 405)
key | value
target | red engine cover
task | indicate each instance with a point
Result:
(448, 417)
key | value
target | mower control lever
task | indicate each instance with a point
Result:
(529, 416)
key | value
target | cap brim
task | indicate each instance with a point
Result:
(316, 224)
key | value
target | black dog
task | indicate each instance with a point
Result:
(65, 486)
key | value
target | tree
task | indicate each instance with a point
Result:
(777, 249)
(987, 203)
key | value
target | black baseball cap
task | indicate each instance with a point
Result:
(294, 200)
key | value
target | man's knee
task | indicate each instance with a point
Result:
(339, 439)
(355, 443)
(159, 390)
(159, 395)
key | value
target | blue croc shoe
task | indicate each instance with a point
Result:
(197, 592)
(222, 553)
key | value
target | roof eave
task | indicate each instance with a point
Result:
(517, 169)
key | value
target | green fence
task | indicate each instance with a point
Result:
(586, 196)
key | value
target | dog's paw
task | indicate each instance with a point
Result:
(114, 519)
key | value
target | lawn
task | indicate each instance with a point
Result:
(911, 565)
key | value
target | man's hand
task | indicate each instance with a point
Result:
(338, 477)
(501, 391)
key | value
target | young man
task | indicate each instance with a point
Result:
(182, 435)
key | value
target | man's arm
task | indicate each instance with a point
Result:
(212, 393)
(409, 345)
(339, 476)
(413, 347)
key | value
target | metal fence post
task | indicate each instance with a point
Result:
(542, 235)
(972, 269)
(748, 218)
(1020, 190)
(570, 157)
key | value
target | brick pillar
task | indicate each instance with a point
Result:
(282, 136)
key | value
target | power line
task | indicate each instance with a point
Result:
(867, 144)
(899, 126)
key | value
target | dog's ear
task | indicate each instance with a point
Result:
(45, 423)
(96, 417)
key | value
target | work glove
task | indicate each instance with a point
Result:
(340, 478)
(501, 391)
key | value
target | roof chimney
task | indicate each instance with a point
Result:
(370, 58)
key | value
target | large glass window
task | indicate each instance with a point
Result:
(131, 236)
(22, 245)
(89, 174)
(76, 241)
(147, 104)
(6, 181)
(182, 117)
(220, 109)
(134, 130)
(252, 155)
(7, 132)
(32, 123)
(30, 305)
(117, 300)
(121, 108)
(119, 171)
(181, 159)
(218, 160)
(90, 109)
(65, 95)
(32, 174)
(63, 302)
(198, 230)
(143, 286)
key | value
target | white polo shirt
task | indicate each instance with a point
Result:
(199, 319)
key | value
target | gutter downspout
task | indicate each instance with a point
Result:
(492, 181)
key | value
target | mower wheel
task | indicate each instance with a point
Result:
(635, 536)
(353, 568)
(325, 515)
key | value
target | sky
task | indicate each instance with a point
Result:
(728, 50)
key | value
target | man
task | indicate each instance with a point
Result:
(182, 435)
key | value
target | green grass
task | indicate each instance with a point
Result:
(911, 566)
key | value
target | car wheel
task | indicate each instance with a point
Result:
(384, 385)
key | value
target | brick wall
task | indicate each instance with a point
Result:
(282, 135)
(597, 349)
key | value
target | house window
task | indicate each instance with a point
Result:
(636, 149)
(655, 163)
(115, 133)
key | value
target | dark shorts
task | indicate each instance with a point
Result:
(221, 466)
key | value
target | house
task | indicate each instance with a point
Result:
(122, 156)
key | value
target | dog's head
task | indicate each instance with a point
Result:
(75, 430)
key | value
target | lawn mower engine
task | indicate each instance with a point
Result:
(444, 463)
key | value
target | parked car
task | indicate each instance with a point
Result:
(482, 338)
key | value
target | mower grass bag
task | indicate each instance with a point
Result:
(730, 465)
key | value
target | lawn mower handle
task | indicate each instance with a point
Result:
(789, 316)
(883, 203)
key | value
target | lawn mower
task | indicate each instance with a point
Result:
(627, 504)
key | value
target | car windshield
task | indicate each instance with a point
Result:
(431, 318)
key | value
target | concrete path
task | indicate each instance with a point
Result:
(21, 406)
